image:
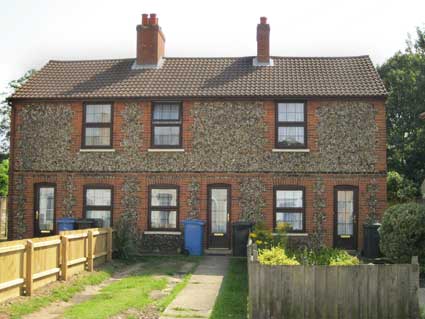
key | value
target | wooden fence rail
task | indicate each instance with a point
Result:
(332, 292)
(28, 264)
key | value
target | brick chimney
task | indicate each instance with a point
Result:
(263, 44)
(150, 43)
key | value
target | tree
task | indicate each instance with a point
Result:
(404, 78)
(4, 177)
(5, 110)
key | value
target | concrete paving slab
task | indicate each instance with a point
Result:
(197, 299)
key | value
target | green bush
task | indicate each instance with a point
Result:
(4, 177)
(325, 256)
(276, 256)
(265, 238)
(403, 232)
(399, 188)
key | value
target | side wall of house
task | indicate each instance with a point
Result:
(228, 142)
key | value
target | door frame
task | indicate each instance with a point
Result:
(36, 229)
(228, 187)
(355, 190)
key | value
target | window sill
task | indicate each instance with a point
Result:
(291, 150)
(165, 149)
(97, 150)
(293, 234)
(159, 232)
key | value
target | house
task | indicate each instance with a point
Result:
(163, 139)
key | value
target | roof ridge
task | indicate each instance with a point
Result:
(215, 58)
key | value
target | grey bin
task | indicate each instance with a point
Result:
(97, 222)
(240, 234)
(371, 241)
(84, 223)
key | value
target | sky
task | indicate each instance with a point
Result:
(32, 32)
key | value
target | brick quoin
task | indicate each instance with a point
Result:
(183, 179)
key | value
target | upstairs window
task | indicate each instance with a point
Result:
(98, 203)
(97, 126)
(167, 125)
(291, 125)
(290, 207)
(163, 211)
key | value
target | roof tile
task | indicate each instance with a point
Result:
(206, 77)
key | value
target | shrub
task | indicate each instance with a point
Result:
(403, 232)
(264, 238)
(276, 256)
(399, 188)
(325, 256)
(125, 240)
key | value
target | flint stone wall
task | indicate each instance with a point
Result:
(227, 136)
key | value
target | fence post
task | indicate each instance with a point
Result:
(30, 271)
(64, 264)
(109, 245)
(254, 252)
(90, 250)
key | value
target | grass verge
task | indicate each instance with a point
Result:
(62, 293)
(231, 302)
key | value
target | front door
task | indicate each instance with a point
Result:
(218, 216)
(44, 210)
(346, 211)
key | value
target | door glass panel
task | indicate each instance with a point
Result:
(46, 208)
(345, 207)
(219, 210)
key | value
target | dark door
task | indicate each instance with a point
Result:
(346, 212)
(44, 210)
(218, 216)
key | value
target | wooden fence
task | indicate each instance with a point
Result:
(3, 218)
(332, 292)
(28, 264)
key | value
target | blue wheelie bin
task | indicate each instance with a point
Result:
(193, 236)
(66, 223)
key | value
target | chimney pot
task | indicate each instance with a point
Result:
(153, 20)
(144, 19)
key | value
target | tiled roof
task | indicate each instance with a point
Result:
(207, 77)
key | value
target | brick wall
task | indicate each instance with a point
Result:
(116, 177)
(184, 179)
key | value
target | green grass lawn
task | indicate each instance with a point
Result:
(133, 292)
(62, 293)
(231, 302)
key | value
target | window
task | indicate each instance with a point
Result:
(163, 208)
(290, 207)
(97, 126)
(98, 203)
(291, 125)
(167, 125)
